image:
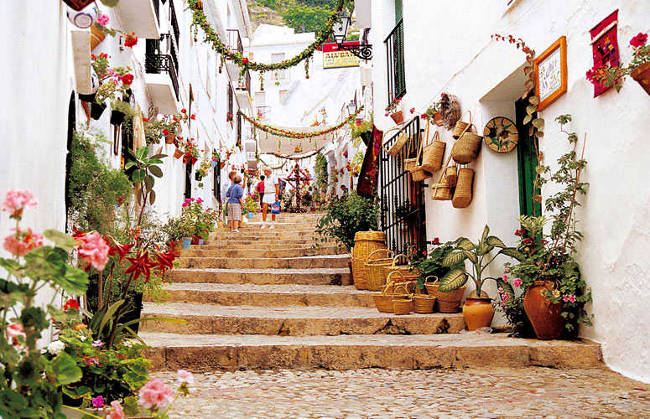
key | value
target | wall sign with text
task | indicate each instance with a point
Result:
(335, 58)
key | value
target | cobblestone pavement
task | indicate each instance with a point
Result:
(419, 394)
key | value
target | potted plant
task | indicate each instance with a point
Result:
(344, 217)
(190, 151)
(120, 110)
(395, 112)
(550, 287)
(638, 68)
(477, 310)
(115, 85)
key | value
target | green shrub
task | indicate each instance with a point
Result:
(346, 216)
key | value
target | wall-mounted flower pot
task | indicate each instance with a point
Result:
(78, 4)
(187, 241)
(437, 119)
(642, 75)
(478, 313)
(545, 316)
(398, 117)
(96, 110)
(117, 117)
(90, 98)
(199, 5)
(178, 154)
(213, 164)
(169, 138)
(222, 164)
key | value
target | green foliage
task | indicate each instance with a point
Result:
(306, 18)
(346, 216)
(94, 189)
(430, 265)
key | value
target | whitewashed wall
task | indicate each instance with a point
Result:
(448, 48)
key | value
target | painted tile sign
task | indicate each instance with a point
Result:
(335, 58)
(604, 45)
(550, 75)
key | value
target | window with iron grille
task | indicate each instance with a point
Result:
(239, 124)
(395, 62)
(174, 22)
(229, 114)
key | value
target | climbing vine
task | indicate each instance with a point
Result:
(199, 19)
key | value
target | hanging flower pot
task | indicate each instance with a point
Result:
(222, 164)
(398, 117)
(178, 154)
(117, 117)
(545, 316)
(97, 36)
(96, 110)
(83, 19)
(170, 137)
(199, 5)
(642, 75)
(213, 163)
(90, 98)
(437, 119)
(186, 158)
(478, 312)
(78, 4)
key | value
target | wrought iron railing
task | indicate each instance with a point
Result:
(174, 21)
(234, 40)
(402, 212)
(395, 62)
(157, 63)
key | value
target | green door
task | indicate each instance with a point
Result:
(527, 164)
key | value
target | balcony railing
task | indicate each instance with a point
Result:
(174, 22)
(234, 40)
(155, 63)
(395, 61)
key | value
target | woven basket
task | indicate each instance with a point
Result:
(463, 192)
(423, 303)
(433, 153)
(466, 148)
(398, 145)
(403, 305)
(365, 242)
(461, 126)
(410, 164)
(448, 302)
(375, 266)
(451, 174)
(405, 273)
(384, 299)
(419, 174)
(441, 191)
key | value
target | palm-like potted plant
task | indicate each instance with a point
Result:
(477, 310)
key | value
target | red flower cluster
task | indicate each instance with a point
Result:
(71, 304)
(127, 79)
(520, 232)
(131, 40)
(639, 40)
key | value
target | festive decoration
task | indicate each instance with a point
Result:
(200, 20)
(294, 134)
(604, 44)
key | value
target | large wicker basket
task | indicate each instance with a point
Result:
(378, 260)
(433, 153)
(448, 302)
(463, 192)
(365, 242)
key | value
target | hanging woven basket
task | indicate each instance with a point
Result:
(463, 192)
(467, 147)
(451, 174)
(398, 145)
(433, 153)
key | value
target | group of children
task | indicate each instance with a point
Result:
(269, 190)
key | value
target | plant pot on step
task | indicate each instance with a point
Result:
(477, 312)
(97, 110)
(545, 316)
(117, 117)
(187, 241)
(642, 75)
(195, 239)
(398, 117)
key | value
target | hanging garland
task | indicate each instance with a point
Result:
(200, 20)
(294, 134)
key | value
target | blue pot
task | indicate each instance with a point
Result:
(214, 163)
(250, 215)
(200, 242)
(186, 242)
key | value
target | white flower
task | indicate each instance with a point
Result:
(82, 338)
(55, 347)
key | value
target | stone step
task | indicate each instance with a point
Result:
(466, 350)
(327, 261)
(271, 252)
(261, 234)
(320, 276)
(276, 227)
(293, 321)
(256, 244)
(268, 295)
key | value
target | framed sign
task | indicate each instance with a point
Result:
(551, 73)
(333, 57)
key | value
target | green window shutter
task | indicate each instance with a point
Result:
(526, 165)
(398, 11)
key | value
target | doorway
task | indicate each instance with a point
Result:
(526, 164)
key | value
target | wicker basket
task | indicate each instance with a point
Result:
(441, 191)
(461, 127)
(463, 193)
(448, 302)
(410, 164)
(402, 305)
(433, 153)
(466, 148)
(419, 174)
(423, 303)
(405, 272)
(365, 242)
(384, 299)
(399, 143)
(451, 174)
(375, 267)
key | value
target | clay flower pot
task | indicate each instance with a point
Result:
(478, 312)
(437, 119)
(546, 317)
(398, 117)
(642, 75)
(178, 154)
(169, 138)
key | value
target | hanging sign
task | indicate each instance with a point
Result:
(335, 58)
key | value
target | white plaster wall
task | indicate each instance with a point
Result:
(448, 48)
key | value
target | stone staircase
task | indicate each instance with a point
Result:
(264, 299)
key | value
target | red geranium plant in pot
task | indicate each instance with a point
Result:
(394, 111)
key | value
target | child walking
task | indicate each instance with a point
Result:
(235, 194)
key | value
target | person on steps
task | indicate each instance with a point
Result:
(225, 187)
(235, 194)
(259, 188)
(270, 196)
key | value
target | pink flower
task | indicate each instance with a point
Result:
(507, 270)
(21, 242)
(569, 298)
(91, 360)
(16, 201)
(14, 331)
(98, 402)
(505, 297)
(517, 282)
(199, 200)
(386, 114)
(184, 377)
(412, 110)
(102, 19)
(639, 40)
(116, 411)
(155, 394)
(98, 344)
(94, 250)
(504, 277)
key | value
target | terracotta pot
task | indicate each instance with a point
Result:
(478, 313)
(78, 4)
(195, 239)
(398, 117)
(178, 154)
(437, 119)
(96, 37)
(642, 75)
(546, 317)
(169, 138)
(222, 164)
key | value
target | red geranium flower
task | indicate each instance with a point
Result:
(183, 110)
(71, 304)
(131, 40)
(639, 40)
(193, 116)
(436, 241)
(127, 79)
(245, 60)
(165, 132)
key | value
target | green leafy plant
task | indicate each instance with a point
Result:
(430, 264)
(251, 205)
(613, 75)
(30, 384)
(480, 258)
(346, 216)
(146, 170)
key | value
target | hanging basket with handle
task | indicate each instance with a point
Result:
(418, 174)
(463, 192)
(451, 174)
(441, 191)
(461, 126)
(378, 260)
(468, 145)
(398, 145)
(433, 153)
(402, 299)
(405, 270)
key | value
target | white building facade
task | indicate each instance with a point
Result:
(448, 48)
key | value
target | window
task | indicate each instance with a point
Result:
(229, 114)
(188, 180)
(395, 62)
(260, 98)
(276, 58)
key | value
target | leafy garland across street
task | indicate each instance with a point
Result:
(200, 20)
(294, 134)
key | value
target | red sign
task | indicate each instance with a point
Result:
(333, 57)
